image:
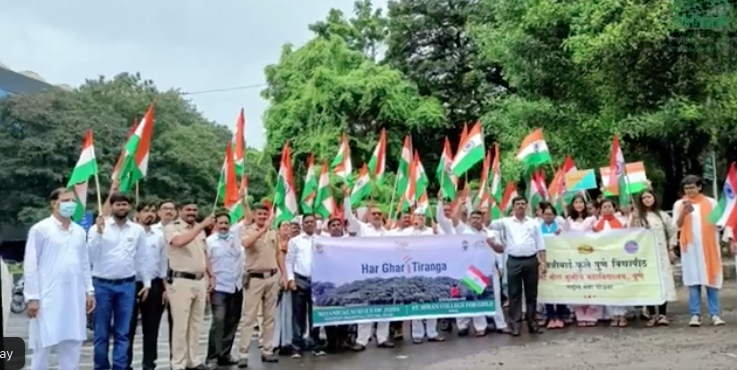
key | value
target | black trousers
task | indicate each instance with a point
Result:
(522, 275)
(151, 310)
(337, 338)
(226, 313)
(660, 310)
(171, 325)
(302, 315)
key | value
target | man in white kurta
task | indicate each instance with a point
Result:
(58, 285)
(374, 228)
(701, 259)
(429, 327)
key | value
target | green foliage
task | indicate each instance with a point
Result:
(41, 137)
(325, 88)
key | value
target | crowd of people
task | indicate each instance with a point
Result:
(157, 258)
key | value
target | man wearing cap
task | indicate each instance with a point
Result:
(373, 228)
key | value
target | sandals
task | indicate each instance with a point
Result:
(663, 320)
(653, 321)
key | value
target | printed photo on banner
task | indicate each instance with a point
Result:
(618, 267)
(392, 279)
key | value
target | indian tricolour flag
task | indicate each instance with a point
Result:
(135, 163)
(470, 151)
(285, 201)
(483, 201)
(405, 161)
(448, 181)
(496, 185)
(309, 189)
(725, 214)
(231, 198)
(341, 165)
(510, 192)
(86, 167)
(362, 188)
(533, 151)
(377, 163)
(475, 280)
(324, 204)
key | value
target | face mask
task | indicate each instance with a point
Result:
(66, 209)
(224, 234)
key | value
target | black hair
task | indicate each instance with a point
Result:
(518, 198)
(692, 180)
(610, 201)
(145, 204)
(308, 215)
(167, 201)
(260, 206)
(335, 219)
(119, 198)
(222, 214)
(186, 202)
(477, 213)
(572, 213)
(545, 205)
(58, 192)
(642, 209)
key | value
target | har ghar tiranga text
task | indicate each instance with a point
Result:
(402, 278)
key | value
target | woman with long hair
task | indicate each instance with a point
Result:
(282, 340)
(649, 215)
(579, 220)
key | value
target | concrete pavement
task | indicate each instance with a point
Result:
(673, 348)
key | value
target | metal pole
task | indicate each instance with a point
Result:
(715, 188)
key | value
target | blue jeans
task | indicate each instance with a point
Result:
(694, 300)
(115, 301)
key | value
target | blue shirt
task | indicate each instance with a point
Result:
(548, 229)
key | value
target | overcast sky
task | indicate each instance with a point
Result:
(195, 45)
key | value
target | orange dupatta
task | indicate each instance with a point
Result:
(710, 246)
(613, 222)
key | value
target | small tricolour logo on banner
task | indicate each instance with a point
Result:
(475, 280)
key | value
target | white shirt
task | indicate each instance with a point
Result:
(56, 271)
(156, 255)
(227, 262)
(523, 238)
(358, 227)
(120, 252)
(413, 231)
(299, 256)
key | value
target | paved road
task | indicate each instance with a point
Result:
(674, 348)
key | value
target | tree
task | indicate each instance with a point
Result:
(586, 70)
(325, 88)
(41, 136)
(429, 42)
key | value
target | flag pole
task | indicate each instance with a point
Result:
(394, 194)
(215, 204)
(99, 196)
(137, 194)
(714, 186)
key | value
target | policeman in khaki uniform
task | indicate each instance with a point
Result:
(188, 286)
(261, 285)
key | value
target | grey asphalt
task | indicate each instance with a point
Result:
(675, 347)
